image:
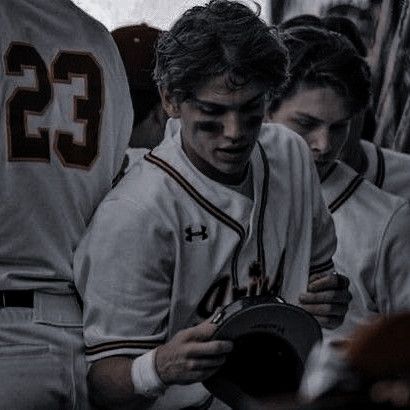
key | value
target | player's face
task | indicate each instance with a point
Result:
(321, 117)
(220, 127)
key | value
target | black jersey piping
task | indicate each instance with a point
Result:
(264, 201)
(346, 194)
(381, 168)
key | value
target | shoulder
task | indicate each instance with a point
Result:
(145, 185)
(288, 154)
(379, 207)
(370, 198)
(94, 26)
(396, 156)
(388, 154)
(274, 137)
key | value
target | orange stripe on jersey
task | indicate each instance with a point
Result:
(123, 344)
(381, 168)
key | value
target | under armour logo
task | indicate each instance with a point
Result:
(190, 234)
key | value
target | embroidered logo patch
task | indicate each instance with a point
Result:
(190, 234)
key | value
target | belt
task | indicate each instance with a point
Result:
(16, 298)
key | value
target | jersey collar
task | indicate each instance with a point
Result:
(340, 185)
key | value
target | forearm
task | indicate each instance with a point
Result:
(111, 387)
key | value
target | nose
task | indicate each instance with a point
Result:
(232, 125)
(319, 140)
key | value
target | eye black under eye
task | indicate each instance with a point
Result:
(250, 108)
(339, 127)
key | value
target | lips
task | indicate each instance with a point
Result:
(234, 150)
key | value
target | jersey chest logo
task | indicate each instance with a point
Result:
(190, 234)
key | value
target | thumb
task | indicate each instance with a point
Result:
(316, 276)
(202, 332)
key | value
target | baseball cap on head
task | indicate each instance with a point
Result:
(136, 44)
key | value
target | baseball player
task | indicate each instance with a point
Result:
(177, 236)
(329, 82)
(387, 169)
(65, 123)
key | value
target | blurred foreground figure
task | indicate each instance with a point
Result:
(372, 370)
(65, 122)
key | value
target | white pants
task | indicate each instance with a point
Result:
(42, 363)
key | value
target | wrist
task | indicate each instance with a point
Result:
(144, 376)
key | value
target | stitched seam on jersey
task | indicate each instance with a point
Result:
(380, 245)
(346, 194)
(328, 172)
(104, 347)
(381, 168)
(277, 285)
(208, 206)
(321, 267)
(264, 200)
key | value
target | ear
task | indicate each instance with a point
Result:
(169, 103)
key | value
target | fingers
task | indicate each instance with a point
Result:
(326, 309)
(204, 363)
(330, 296)
(327, 298)
(202, 332)
(320, 282)
(191, 355)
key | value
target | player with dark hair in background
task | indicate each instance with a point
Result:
(177, 236)
(136, 45)
(387, 169)
(65, 123)
(329, 83)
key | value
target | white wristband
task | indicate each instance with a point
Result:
(144, 376)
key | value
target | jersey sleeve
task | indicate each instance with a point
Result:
(323, 234)
(123, 272)
(392, 278)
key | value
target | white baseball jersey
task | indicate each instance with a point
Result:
(388, 170)
(373, 247)
(168, 245)
(66, 120)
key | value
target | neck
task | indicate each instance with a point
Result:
(356, 158)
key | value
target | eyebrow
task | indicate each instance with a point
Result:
(310, 117)
(217, 106)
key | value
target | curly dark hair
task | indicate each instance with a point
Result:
(321, 57)
(221, 38)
